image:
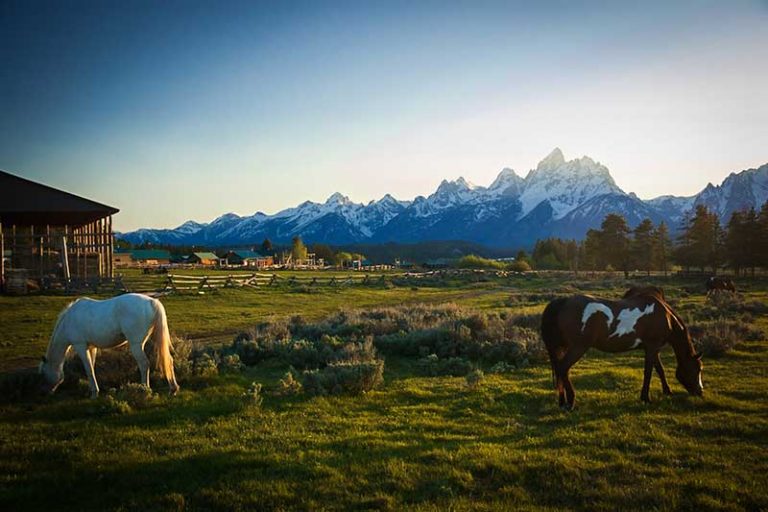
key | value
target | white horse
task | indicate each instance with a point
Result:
(87, 325)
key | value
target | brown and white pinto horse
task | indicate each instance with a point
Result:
(642, 319)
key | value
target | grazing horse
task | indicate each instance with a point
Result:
(87, 325)
(642, 319)
(718, 284)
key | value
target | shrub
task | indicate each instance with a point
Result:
(717, 337)
(231, 364)
(137, 396)
(111, 405)
(474, 378)
(433, 366)
(528, 320)
(519, 266)
(253, 394)
(345, 378)
(502, 367)
(288, 385)
(205, 366)
(474, 261)
(182, 357)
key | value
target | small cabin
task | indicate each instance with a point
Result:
(207, 259)
(151, 257)
(49, 235)
(248, 259)
(122, 258)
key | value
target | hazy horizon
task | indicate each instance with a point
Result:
(188, 110)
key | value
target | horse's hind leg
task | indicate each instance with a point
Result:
(660, 371)
(650, 360)
(563, 371)
(85, 357)
(137, 349)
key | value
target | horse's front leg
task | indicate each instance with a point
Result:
(85, 357)
(650, 358)
(660, 371)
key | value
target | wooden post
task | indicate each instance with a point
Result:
(2, 259)
(65, 256)
(110, 247)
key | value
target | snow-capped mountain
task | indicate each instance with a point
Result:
(558, 198)
(737, 192)
(565, 185)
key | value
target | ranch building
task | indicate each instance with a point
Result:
(207, 259)
(49, 235)
(248, 259)
(142, 257)
(122, 258)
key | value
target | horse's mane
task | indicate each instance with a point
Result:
(646, 291)
(57, 326)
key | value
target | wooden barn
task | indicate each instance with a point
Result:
(52, 235)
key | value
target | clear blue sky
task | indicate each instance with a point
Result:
(178, 110)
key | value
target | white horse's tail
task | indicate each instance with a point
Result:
(161, 338)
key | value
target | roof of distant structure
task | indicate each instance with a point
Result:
(24, 202)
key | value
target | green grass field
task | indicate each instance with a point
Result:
(421, 443)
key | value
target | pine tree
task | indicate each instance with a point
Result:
(701, 241)
(662, 247)
(614, 242)
(642, 247)
(761, 244)
(593, 258)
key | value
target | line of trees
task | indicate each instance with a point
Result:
(703, 243)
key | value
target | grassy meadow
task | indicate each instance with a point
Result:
(417, 441)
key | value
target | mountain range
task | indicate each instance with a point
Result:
(559, 197)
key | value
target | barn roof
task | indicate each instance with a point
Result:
(247, 255)
(205, 256)
(24, 202)
(150, 254)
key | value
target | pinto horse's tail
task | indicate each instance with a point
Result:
(551, 334)
(161, 339)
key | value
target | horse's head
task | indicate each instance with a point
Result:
(689, 374)
(53, 376)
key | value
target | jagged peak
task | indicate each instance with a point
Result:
(226, 216)
(337, 198)
(505, 177)
(554, 159)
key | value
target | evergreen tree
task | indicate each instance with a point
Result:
(593, 257)
(662, 247)
(642, 247)
(701, 241)
(752, 238)
(761, 244)
(736, 242)
(614, 242)
(266, 246)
